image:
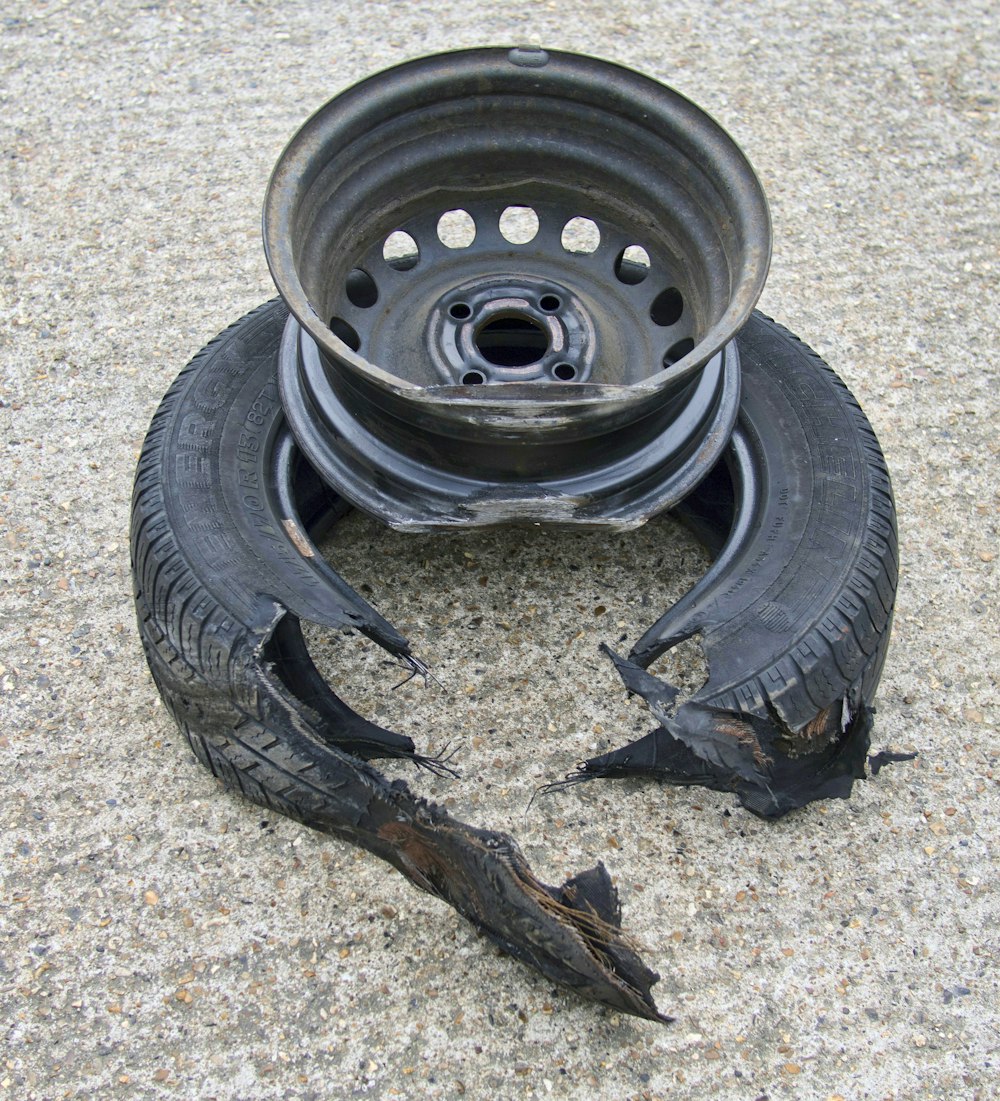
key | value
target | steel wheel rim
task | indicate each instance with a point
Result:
(510, 361)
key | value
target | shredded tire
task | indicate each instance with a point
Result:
(224, 514)
(794, 614)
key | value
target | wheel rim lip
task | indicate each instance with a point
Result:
(410, 492)
(332, 124)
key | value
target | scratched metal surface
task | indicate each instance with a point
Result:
(162, 938)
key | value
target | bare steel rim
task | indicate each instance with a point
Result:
(515, 277)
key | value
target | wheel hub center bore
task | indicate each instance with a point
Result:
(512, 340)
(505, 330)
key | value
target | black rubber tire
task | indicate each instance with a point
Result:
(810, 626)
(795, 613)
(224, 568)
(823, 587)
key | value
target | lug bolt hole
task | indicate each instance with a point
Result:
(460, 311)
(550, 302)
(473, 378)
(565, 372)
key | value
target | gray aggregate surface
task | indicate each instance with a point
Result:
(162, 938)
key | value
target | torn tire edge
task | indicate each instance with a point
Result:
(220, 582)
(795, 611)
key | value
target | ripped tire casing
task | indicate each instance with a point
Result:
(795, 612)
(806, 583)
(225, 567)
